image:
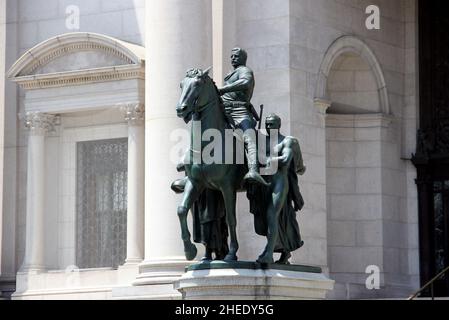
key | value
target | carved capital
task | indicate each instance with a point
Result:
(39, 123)
(134, 113)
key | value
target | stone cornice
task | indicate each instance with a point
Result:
(73, 78)
(359, 120)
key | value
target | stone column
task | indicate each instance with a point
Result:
(320, 158)
(135, 115)
(38, 124)
(178, 37)
(2, 113)
(218, 40)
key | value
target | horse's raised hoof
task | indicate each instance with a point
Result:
(190, 251)
(231, 257)
(265, 259)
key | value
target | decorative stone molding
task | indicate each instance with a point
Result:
(354, 45)
(73, 78)
(24, 71)
(322, 105)
(77, 47)
(376, 120)
(39, 123)
(134, 113)
(56, 47)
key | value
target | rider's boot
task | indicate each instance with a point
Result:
(253, 175)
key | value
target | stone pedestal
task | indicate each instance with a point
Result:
(252, 281)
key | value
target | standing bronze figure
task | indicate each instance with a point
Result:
(275, 207)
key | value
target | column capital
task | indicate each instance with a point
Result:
(134, 113)
(39, 123)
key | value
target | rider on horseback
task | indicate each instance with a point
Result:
(236, 95)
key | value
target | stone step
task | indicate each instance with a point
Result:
(439, 298)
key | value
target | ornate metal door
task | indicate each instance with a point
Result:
(101, 203)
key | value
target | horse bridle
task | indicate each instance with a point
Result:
(198, 109)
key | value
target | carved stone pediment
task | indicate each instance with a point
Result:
(78, 58)
(81, 60)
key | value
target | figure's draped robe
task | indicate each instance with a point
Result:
(288, 238)
(209, 222)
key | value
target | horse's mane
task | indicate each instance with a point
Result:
(194, 72)
(220, 100)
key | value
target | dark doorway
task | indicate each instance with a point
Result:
(432, 154)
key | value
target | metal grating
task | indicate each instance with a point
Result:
(101, 198)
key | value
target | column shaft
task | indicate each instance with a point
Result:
(38, 124)
(136, 186)
(2, 113)
(34, 245)
(178, 38)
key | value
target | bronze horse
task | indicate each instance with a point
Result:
(201, 104)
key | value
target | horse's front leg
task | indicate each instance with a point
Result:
(191, 194)
(230, 196)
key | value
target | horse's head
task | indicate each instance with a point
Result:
(194, 94)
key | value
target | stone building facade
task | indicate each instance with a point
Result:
(348, 93)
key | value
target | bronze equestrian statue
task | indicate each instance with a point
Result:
(210, 189)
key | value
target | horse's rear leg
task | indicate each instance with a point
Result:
(190, 195)
(229, 196)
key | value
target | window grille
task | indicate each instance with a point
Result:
(101, 198)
